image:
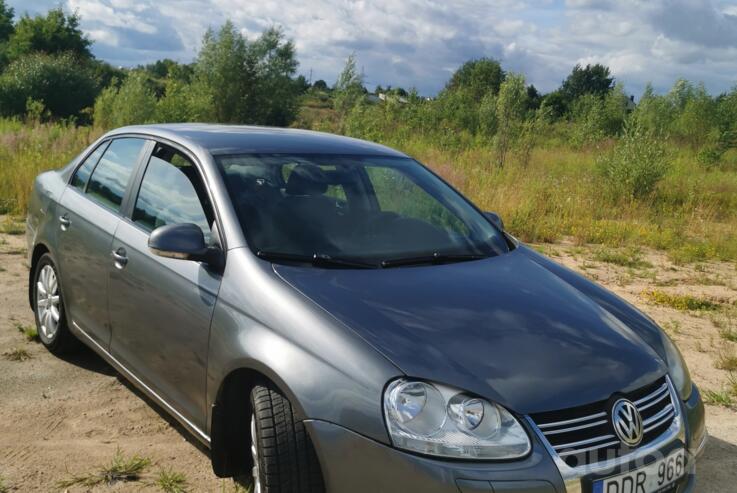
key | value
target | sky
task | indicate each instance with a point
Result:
(419, 43)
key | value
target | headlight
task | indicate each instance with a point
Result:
(677, 368)
(437, 420)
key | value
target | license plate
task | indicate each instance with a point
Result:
(653, 478)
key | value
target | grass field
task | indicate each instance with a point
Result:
(691, 215)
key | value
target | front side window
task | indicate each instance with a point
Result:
(171, 193)
(372, 209)
(109, 180)
(82, 175)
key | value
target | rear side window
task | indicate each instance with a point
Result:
(172, 193)
(110, 178)
(82, 175)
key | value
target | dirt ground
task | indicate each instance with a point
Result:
(65, 417)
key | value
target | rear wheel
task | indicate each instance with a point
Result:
(284, 459)
(51, 322)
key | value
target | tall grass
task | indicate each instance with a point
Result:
(559, 193)
(556, 191)
(26, 149)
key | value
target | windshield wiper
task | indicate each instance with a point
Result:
(317, 259)
(434, 258)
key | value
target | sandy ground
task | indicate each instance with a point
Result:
(61, 417)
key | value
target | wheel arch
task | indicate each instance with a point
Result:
(38, 252)
(230, 433)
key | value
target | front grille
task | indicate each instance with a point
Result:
(585, 435)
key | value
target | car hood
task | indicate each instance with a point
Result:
(506, 328)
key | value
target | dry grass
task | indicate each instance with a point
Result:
(3, 487)
(12, 226)
(17, 354)
(727, 362)
(120, 469)
(27, 150)
(555, 194)
(631, 258)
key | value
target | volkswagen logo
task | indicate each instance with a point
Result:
(627, 422)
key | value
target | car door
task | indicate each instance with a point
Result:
(160, 308)
(88, 216)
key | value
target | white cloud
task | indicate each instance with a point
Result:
(420, 42)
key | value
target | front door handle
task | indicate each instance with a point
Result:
(64, 222)
(120, 258)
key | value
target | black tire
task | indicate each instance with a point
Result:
(287, 462)
(62, 340)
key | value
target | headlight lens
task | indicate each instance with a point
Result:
(677, 368)
(438, 420)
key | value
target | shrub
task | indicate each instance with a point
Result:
(635, 165)
(62, 84)
(134, 102)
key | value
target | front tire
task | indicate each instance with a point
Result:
(48, 308)
(283, 455)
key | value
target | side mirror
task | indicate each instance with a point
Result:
(184, 242)
(495, 219)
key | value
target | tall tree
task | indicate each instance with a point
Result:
(248, 81)
(220, 71)
(6, 21)
(478, 77)
(349, 87)
(591, 79)
(54, 33)
(273, 62)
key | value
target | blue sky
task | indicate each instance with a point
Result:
(421, 42)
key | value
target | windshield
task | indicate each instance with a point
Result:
(362, 208)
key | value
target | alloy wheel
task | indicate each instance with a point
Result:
(48, 302)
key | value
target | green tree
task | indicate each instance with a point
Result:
(248, 81)
(272, 63)
(348, 88)
(478, 77)
(592, 79)
(133, 103)
(220, 72)
(511, 109)
(57, 81)
(555, 104)
(6, 21)
(633, 168)
(54, 33)
(320, 85)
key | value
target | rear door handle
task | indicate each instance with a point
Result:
(120, 257)
(64, 222)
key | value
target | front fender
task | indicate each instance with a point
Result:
(328, 373)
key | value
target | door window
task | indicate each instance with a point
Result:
(171, 193)
(110, 178)
(82, 175)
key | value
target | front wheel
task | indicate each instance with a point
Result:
(48, 305)
(284, 459)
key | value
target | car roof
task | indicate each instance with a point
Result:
(243, 139)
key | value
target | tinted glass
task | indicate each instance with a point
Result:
(110, 178)
(363, 208)
(83, 172)
(171, 192)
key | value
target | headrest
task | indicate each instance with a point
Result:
(307, 179)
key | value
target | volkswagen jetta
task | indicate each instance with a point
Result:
(327, 314)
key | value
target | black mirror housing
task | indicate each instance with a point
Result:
(181, 241)
(495, 219)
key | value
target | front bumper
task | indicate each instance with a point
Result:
(356, 464)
